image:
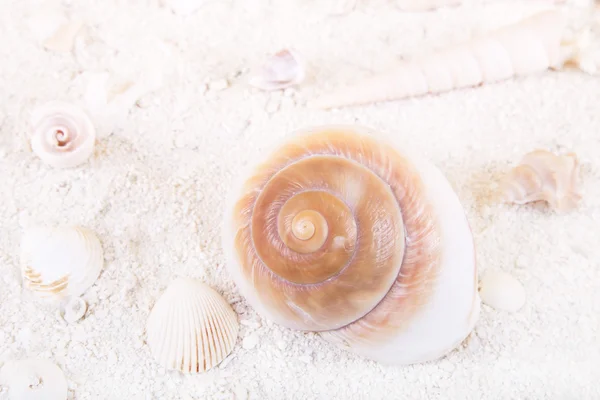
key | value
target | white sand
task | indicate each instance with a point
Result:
(154, 190)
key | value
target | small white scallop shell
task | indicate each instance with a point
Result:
(191, 328)
(501, 291)
(63, 134)
(74, 309)
(34, 379)
(60, 262)
(281, 70)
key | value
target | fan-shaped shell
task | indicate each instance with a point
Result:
(60, 262)
(63, 134)
(34, 379)
(339, 232)
(191, 327)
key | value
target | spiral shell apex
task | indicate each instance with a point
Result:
(63, 134)
(338, 232)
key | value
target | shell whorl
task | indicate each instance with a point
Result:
(63, 134)
(333, 232)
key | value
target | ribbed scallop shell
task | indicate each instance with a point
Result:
(339, 232)
(60, 262)
(191, 327)
(63, 134)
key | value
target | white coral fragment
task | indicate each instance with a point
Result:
(281, 70)
(543, 176)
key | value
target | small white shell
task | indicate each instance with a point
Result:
(60, 262)
(63, 134)
(282, 70)
(501, 291)
(191, 327)
(74, 309)
(34, 379)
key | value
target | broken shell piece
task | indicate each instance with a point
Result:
(543, 176)
(34, 379)
(282, 70)
(63, 134)
(425, 5)
(191, 328)
(60, 262)
(185, 7)
(501, 291)
(74, 309)
(63, 39)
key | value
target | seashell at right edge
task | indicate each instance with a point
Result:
(191, 328)
(60, 262)
(339, 232)
(34, 379)
(63, 134)
(543, 176)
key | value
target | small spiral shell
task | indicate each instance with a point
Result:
(338, 232)
(63, 134)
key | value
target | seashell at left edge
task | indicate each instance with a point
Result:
(191, 328)
(33, 379)
(339, 232)
(63, 134)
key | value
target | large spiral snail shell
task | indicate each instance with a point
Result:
(337, 231)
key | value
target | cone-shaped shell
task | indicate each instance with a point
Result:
(60, 262)
(191, 327)
(337, 231)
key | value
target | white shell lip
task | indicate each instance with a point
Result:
(34, 379)
(63, 134)
(191, 328)
(58, 262)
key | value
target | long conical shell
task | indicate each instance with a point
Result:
(543, 176)
(529, 46)
(60, 262)
(191, 327)
(338, 232)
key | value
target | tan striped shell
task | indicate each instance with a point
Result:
(191, 328)
(60, 262)
(339, 232)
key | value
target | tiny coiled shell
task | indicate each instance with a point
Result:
(58, 262)
(501, 291)
(191, 328)
(73, 309)
(281, 70)
(34, 379)
(338, 232)
(543, 176)
(63, 134)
